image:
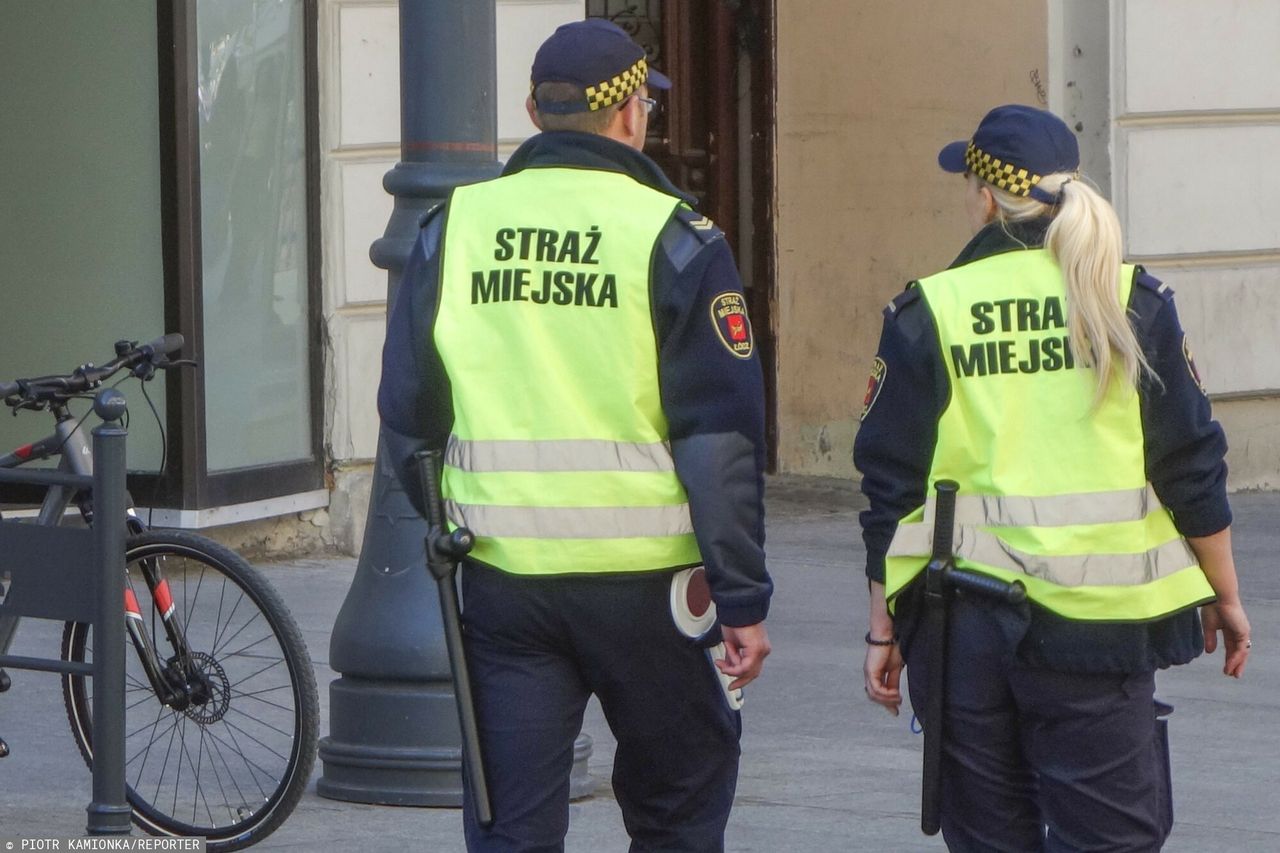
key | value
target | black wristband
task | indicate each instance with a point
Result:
(871, 642)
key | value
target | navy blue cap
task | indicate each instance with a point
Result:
(599, 56)
(1014, 147)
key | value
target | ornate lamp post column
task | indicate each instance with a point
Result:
(393, 728)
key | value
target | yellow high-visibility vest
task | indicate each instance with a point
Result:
(559, 459)
(1053, 492)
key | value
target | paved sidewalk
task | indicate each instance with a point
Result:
(822, 770)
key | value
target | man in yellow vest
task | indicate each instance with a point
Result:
(574, 335)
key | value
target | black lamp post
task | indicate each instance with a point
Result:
(393, 728)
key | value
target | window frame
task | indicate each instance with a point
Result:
(186, 483)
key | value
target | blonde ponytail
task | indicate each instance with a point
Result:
(1084, 238)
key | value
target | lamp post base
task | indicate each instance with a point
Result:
(360, 766)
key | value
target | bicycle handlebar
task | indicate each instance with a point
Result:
(164, 344)
(88, 377)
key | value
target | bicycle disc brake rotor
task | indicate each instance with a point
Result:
(218, 698)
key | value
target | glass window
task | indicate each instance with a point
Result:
(80, 214)
(253, 204)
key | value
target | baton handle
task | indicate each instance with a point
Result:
(944, 518)
(429, 470)
(443, 550)
(1006, 592)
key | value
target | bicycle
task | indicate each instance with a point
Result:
(222, 713)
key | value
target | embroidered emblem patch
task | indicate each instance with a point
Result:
(1191, 365)
(874, 383)
(729, 316)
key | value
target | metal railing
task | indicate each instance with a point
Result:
(78, 575)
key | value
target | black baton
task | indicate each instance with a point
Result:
(444, 550)
(936, 595)
(941, 575)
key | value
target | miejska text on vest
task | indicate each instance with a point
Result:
(1015, 355)
(570, 284)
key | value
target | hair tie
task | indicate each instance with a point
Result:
(1045, 197)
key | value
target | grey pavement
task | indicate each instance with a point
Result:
(822, 769)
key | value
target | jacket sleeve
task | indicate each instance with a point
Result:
(415, 401)
(714, 402)
(1185, 446)
(894, 447)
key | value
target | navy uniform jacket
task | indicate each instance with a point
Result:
(713, 400)
(1184, 449)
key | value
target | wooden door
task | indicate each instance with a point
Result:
(714, 136)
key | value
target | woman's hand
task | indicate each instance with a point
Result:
(882, 672)
(1230, 619)
(1213, 553)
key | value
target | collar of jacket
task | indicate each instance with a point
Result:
(591, 151)
(998, 237)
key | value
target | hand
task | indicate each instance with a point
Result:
(744, 652)
(882, 672)
(1230, 619)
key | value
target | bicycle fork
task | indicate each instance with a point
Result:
(179, 682)
(146, 650)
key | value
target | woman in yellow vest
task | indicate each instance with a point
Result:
(1055, 386)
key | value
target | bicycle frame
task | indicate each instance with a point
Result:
(76, 456)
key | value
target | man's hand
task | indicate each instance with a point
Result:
(744, 652)
(882, 672)
(1229, 618)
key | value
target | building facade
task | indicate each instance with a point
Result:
(217, 168)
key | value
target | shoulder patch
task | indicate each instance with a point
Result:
(430, 214)
(704, 228)
(733, 327)
(874, 383)
(902, 300)
(1191, 365)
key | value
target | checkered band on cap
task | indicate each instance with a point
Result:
(617, 88)
(993, 170)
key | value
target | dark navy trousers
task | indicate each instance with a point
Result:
(537, 648)
(1040, 760)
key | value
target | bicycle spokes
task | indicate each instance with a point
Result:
(235, 737)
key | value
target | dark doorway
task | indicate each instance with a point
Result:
(714, 137)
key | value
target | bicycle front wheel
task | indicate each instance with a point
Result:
(231, 765)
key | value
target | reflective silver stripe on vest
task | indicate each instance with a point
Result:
(557, 455)
(979, 546)
(1053, 511)
(591, 522)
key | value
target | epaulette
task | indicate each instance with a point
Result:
(1144, 279)
(902, 300)
(701, 226)
(429, 214)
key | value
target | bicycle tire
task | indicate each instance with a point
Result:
(193, 564)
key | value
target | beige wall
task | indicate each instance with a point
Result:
(1253, 441)
(867, 93)
(1212, 235)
